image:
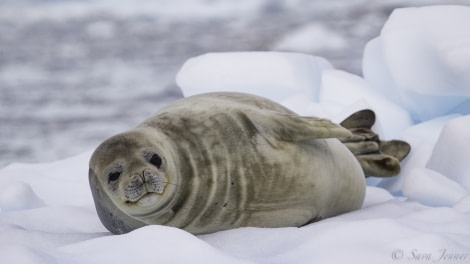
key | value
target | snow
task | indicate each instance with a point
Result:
(416, 73)
(19, 196)
(148, 245)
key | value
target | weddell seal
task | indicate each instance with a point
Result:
(218, 161)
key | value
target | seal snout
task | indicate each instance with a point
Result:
(141, 184)
(154, 182)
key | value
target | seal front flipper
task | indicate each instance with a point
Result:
(293, 128)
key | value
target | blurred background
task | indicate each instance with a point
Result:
(75, 72)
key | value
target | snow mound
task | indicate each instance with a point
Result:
(151, 244)
(18, 196)
(421, 60)
(274, 75)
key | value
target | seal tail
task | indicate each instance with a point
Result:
(377, 157)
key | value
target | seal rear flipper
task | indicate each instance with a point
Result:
(396, 148)
(361, 119)
(377, 157)
(294, 128)
(379, 164)
(362, 147)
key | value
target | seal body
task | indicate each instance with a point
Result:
(225, 160)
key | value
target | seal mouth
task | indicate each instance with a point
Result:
(147, 200)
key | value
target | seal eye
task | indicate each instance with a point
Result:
(113, 176)
(156, 160)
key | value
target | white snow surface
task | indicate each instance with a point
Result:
(420, 59)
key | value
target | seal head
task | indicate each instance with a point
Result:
(134, 173)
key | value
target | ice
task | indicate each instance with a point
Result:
(421, 60)
(422, 138)
(347, 90)
(304, 106)
(310, 38)
(274, 75)
(421, 216)
(452, 151)
(431, 188)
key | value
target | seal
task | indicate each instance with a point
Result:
(218, 161)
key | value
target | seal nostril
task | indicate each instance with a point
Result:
(154, 182)
(135, 188)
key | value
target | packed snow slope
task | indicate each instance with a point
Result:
(416, 79)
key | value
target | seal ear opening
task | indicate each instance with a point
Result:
(110, 216)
